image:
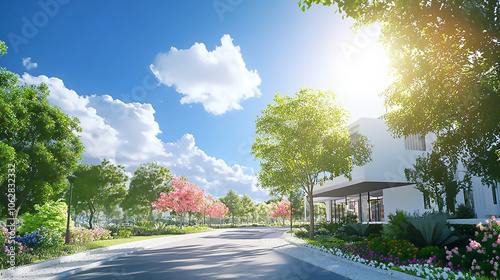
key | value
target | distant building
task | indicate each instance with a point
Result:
(380, 187)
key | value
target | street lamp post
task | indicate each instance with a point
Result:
(71, 179)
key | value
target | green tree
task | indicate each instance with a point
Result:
(435, 179)
(296, 198)
(98, 187)
(247, 206)
(149, 181)
(446, 63)
(233, 203)
(38, 145)
(299, 138)
(320, 211)
(262, 211)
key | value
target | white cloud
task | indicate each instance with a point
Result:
(218, 79)
(126, 133)
(185, 158)
(28, 64)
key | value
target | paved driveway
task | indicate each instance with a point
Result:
(229, 254)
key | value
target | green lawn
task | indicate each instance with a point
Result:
(43, 254)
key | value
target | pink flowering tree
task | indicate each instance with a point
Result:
(218, 210)
(184, 198)
(206, 209)
(281, 210)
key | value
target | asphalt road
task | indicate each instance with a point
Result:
(233, 254)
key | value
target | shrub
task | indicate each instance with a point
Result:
(301, 233)
(10, 246)
(482, 255)
(349, 218)
(146, 224)
(87, 235)
(430, 230)
(51, 215)
(432, 252)
(113, 229)
(159, 226)
(41, 238)
(329, 242)
(396, 229)
(356, 229)
(464, 212)
(397, 252)
(124, 233)
(331, 227)
(374, 229)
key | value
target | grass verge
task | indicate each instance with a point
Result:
(42, 254)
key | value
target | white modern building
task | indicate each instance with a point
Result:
(380, 187)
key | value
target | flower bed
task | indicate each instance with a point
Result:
(87, 235)
(478, 260)
(10, 245)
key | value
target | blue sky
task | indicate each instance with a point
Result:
(182, 82)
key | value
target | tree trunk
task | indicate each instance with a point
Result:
(311, 215)
(182, 220)
(91, 217)
(291, 213)
(150, 215)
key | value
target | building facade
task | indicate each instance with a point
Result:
(379, 188)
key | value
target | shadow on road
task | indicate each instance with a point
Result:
(230, 255)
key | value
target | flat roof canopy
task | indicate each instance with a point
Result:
(353, 187)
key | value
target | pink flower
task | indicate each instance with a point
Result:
(474, 244)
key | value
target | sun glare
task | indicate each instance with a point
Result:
(361, 76)
(367, 72)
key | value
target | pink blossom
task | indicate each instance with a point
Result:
(474, 245)
(281, 210)
(186, 197)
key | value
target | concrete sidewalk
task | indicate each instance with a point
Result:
(64, 266)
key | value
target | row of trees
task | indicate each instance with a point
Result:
(39, 148)
(187, 197)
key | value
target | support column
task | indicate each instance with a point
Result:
(329, 210)
(335, 209)
(360, 210)
(369, 209)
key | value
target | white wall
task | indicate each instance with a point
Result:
(389, 160)
(405, 198)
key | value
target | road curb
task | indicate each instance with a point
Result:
(57, 267)
(391, 274)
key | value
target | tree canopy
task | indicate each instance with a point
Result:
(247, 206)
(148, 182)
(98, 187)
(300, 138)
(446, 63)
(184, 198)
(436, 181)
(37, 143)
(233, 203)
